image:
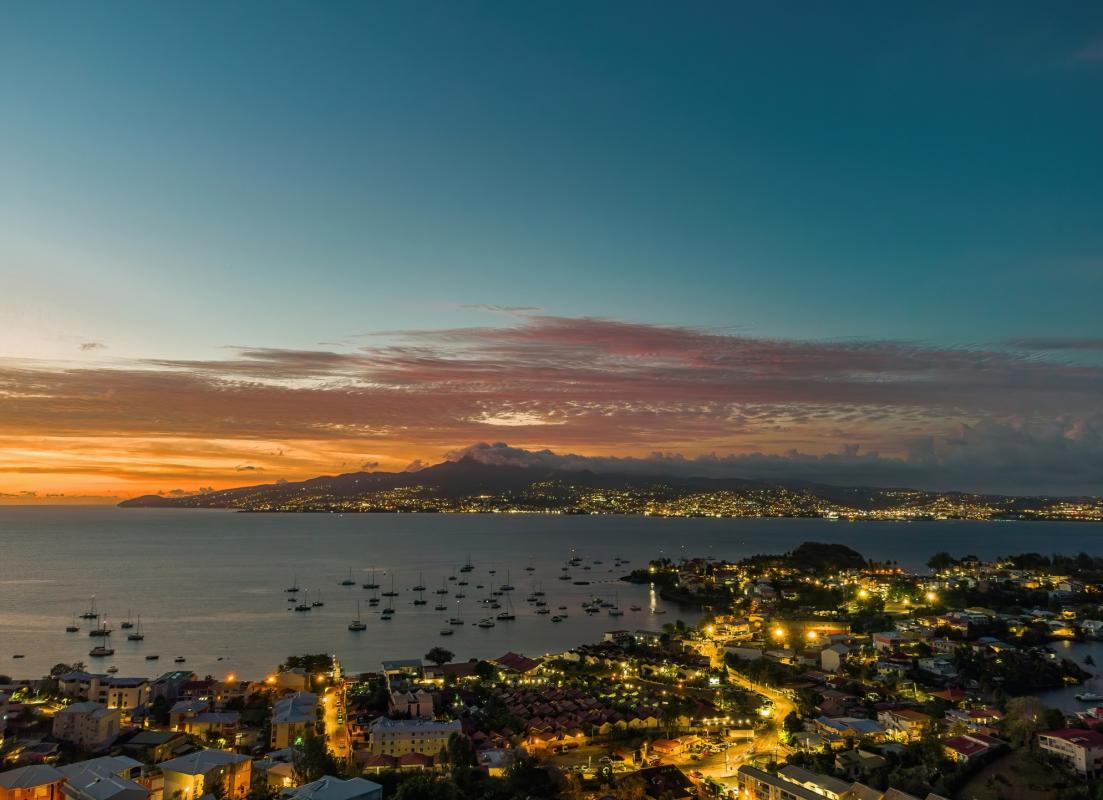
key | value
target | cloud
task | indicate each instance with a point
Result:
(248, 468)
(1058, 343)
(1063, 457)
(367, 466)
(415, 466)
(92, 346)
(494, 309)
(586, 385)
(1091, 53)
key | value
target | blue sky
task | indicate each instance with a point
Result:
(770, 227)
(180, 176)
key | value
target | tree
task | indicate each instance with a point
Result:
(216, 787)
(460, 751)
(485, 671)
(313, 760)
(438, 655)
(426, 787)
(941, 561)
(1025, 717)
(260, 789)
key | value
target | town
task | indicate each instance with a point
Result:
(814, 674)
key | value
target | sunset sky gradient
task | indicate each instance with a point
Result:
(258, 241)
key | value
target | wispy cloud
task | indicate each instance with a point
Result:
(85, 346)
(597, 386)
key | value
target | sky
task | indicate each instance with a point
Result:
(244, 242)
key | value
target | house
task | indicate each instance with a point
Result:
(409, 669)
(666, 782)
(823, 785)
(970, 747)
(516, 663)
(87, 725)
(330, 788)
(762, 785)
(168, 685)
(412, 704)
(832, 657)
(937, 667)
(1081, 749)
(396, 737)
(107, 778)
(904, 723)
(213, 725)
(36, 782)
(293, 680)
(858, 763)
(183, 710)
(155, 745)
(293, 718)
(193, 775)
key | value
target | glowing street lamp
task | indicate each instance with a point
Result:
(932, 597)
(863, 594)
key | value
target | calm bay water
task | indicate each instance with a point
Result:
(209, 584)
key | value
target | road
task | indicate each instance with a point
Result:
(337, 732)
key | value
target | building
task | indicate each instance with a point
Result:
(4, 700)
(36, 782)
(970, 747)
(293, 718)
(417, 704)
(156, 746)
(168, 685)
(107, 778)
(190, 777)
(397, 737)
(330, 788)
(831, 657)
(88, 725)
(1081, 749)
(823, 785)
(761, 785)
(183, 710)
(904, 723)
(127, 694)
(295, 680)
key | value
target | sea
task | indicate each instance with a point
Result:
(210, 585)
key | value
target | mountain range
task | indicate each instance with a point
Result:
(468, 484)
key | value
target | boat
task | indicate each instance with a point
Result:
(303, 607)
(659, 611)
(440, 607)
(420, 585)
(91, 613)
(459, 595)
(137, 635)
(179, 659)
(384, 617)
(392, 592)
(373, 601)
(101, 630)
(443, 588)
(615, 612)
(371, 584)
(455, 621)
(102, 651)
(294, 587)
(564, 577)
(73, 627)
(542, 611)
(581, 583)
(127, 624)
(507, 615)
(112, 669)
(446, 631)
(153, 657)
(387, 612)
(557, 618)
(530, 569)
(468, 566)
(506, 587)
(318, 603)
(18, 655)
(348, 581)
(634, 608)
(357, 624)
(462, 583)
(1088, 697)
(485, 623)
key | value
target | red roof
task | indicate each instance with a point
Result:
(966, 746)
(378, 761)
(415, 760)
(516, 662)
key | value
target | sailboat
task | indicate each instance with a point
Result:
(348, 581)
(468, 566)
(294, 587)
(101, 630)
(127, 624)
(318, 602)
(506, 587)
(91, 613)
(72, 627)
(508, 613)
(371, 584)
(357, 624)
(392, 592)
(614, 610)
(458, 619)
(137, 635)
(420, 585)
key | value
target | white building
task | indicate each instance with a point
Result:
(1081, 749)
(831, 658)
(88, 725)
(397, 737)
